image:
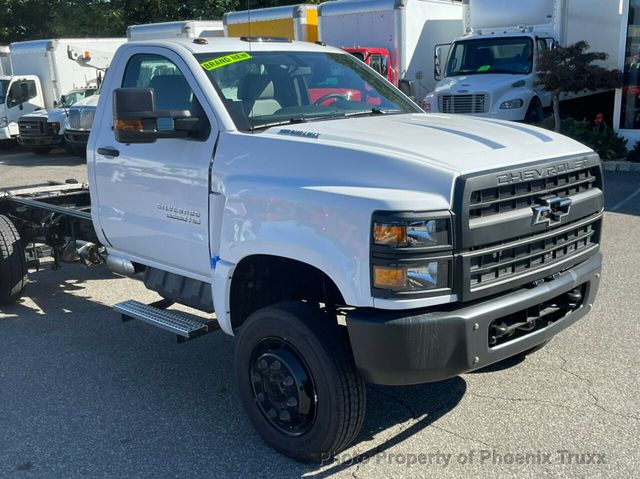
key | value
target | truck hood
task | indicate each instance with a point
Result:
(485, 82)
(456, 143)
(54, 114)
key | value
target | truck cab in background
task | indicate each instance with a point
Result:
(492, 70)
(377, 58)
(5, 60)
(43, 130)
(18, 95)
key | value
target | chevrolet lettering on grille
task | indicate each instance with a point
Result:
(551, 210)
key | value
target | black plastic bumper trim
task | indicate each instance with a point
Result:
(419, 346)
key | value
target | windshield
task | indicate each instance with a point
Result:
(491, 55)
(265, 89)
(75, 96)
(4, 85)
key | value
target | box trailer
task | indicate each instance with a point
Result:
(295, 22)
(44, 70)
(491, 70)
(181, 29)
(395, 37)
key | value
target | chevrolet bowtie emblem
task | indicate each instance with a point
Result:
(551, 210)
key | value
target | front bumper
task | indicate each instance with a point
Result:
(76, 137)
(55, 140)
(400, 348)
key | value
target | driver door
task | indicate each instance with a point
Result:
(153, 197)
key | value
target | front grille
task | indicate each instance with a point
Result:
(86, 119)
(32, 127)
(503, 262)
(74, 119)
(509, 197)
(468, 103)
(502, 244)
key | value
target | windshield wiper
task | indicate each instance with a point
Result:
(373, 111)
(290, 121)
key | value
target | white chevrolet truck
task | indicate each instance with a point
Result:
(342, 240)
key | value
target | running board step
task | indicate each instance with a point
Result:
(186, 326)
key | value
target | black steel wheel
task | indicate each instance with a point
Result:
(13, 264)
(535, 112)
(298, 382)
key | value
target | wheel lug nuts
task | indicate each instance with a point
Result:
(259, 397)
(271, 413)
(276, 364)
(262, 364)
(288, 381)
(292, 402)
(285, 416)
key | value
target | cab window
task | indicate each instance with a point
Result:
(171, 88)
(21, 92)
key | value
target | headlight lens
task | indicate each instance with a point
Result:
(420, 277)
(412, 234)
(512, 104)
(54, 125)
(411, 254)
(3, 122)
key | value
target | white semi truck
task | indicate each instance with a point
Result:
(491, 71)
(396, 38)
(340, 242)
(43, 71)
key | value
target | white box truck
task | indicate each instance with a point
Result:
(44, 70)
(491, 71)
(5, 60)
(181, 29)
(394, 37)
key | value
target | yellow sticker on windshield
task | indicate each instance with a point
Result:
(225, 60)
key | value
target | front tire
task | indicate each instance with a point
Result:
(298, 381)
(13, 264)
(535, 112)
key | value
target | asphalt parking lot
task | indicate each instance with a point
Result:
(84, 395)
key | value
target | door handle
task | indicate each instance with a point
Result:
(108, 152)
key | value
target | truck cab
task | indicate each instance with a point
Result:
(19, 95)
(43, 130)
(377, 58)
(492, 75)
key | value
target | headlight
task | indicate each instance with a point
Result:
(54, 125)
(512, 104)
(411, 234)
(3, 122)
(411, 254)
(426, 276)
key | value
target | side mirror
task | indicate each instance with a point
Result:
(437, 62)
(408, 87)
(135, 118)
(63, 100)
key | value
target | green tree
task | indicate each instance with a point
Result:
(571, 69)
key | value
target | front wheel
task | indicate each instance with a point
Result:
(535, 112)
(298, 382)
(13, 265)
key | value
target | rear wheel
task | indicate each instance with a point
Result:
(13, 265)
(535, 113)
(298, 382)
(42, 150)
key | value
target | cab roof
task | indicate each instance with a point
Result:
(224, 44)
